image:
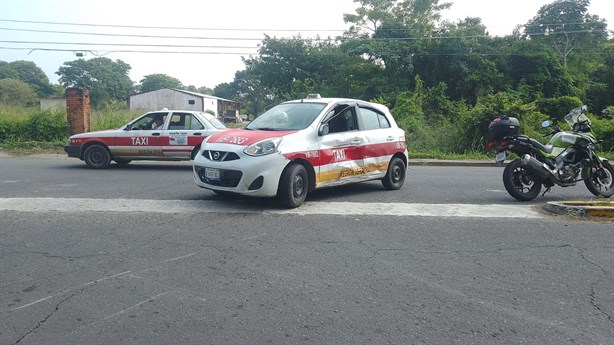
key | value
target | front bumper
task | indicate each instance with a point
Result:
(254, 176)
(73, 150)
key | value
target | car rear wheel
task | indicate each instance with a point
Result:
(293, 186)
(97, 157)
(395, 176)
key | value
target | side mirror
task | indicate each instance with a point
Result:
(584, 108)
(324, 129)
(546, 123)
(128, 127)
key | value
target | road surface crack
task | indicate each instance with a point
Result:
(40, 323)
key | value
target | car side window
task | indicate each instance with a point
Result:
(195, 124)
(184, 121)
(151, 121)
(343, 120)
(373, 120)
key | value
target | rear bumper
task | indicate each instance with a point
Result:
(73, 150)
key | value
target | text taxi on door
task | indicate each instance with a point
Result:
(301, 145)
(171, 135)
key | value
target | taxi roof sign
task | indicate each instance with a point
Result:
(313, 95)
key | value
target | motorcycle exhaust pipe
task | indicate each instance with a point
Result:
(537, 167)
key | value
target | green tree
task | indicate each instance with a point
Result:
(460, 56)
(28, 72)
(600, 93)
(17, 92)
(249, 91)
(153, 82)
(293, 68)
(106, 79)
(389, 33)
(567, 26)
(7, 71)
(535, 71)
(205, 90)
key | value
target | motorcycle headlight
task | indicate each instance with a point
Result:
(263, 147)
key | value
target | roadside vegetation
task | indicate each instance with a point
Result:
(443, 81)
(26, 131)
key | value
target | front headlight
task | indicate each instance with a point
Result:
(263, 147)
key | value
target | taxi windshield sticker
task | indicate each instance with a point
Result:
(178, 138)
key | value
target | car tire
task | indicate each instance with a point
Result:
(395, 176)
(293, 186)
(97, 157)
(194, 152)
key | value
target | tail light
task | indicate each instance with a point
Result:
(492, 144)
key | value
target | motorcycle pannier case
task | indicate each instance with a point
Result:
(503, 126)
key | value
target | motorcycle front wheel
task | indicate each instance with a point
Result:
(601, 183)
(521, 183)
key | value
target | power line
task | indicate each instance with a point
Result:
(166, 27)
(127, 44)
(240, 29)
(584, 52)
(96, 53)
(260, 39)
(129, 35)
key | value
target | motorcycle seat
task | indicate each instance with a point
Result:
(544, 148)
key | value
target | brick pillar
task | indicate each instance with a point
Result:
(78, 110)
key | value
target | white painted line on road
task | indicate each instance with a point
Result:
(309, 208)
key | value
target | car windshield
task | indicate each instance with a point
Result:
(214, 121)
(287, 116)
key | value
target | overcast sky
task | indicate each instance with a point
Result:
(225, 31)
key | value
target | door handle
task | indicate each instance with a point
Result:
(355, 142)
(155, 134)
(197, 133)
(390, 138)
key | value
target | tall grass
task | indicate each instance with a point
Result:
(112, 115)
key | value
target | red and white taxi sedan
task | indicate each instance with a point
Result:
(301, 145)
(159, 135)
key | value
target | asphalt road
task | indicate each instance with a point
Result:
(232, 277)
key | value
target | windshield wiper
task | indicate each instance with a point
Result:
(268, 129)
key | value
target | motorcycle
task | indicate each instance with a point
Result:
(567, 158)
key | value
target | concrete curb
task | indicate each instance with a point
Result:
(582, 208)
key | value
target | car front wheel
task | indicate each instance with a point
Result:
(395, 176)
(293, 186)
(97, 157)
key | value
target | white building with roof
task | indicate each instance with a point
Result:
(180, 100)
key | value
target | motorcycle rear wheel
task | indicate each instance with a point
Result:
(601, 182)
(521, 183)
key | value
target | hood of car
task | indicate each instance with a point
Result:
(244, 137)
(103, 133)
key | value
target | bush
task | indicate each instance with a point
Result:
(557, 108)
(604, 130)
(17, 93)
(41, 126)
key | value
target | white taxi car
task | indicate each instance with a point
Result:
(298, 146)
(172, 135)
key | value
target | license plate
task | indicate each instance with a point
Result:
(213, 174)
(500, 157)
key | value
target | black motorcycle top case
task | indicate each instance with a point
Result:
(503, 126)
